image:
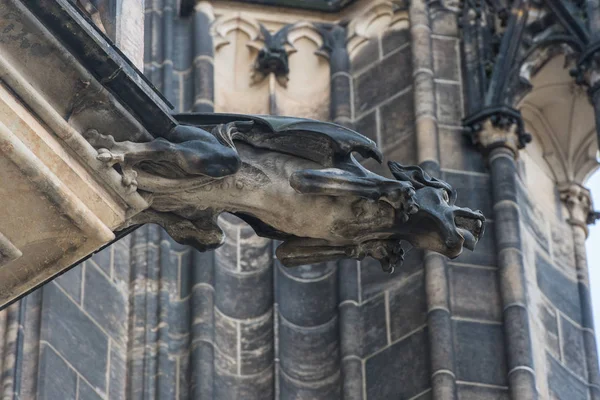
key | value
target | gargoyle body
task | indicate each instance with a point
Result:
(294, 180)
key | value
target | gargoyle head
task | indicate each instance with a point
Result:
(272, 58)
(438, 225)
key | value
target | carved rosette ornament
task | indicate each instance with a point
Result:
(294, 180)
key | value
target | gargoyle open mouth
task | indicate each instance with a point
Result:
(470, 225)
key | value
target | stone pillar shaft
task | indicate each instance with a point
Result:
(521, 375)
(578, 202)
(203, 63)
(443, 379)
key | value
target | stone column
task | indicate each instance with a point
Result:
(577, 199)
(443, 378)
(203, 64)
(500, 143)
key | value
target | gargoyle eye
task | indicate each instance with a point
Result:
(446, 196)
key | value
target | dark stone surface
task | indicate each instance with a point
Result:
(367, 125)
(573, 348)
(517, 334)
(466, 392)
(562, 384)
(118, 373)
(74, 335)
(367, 55)
(105, 303)
(255, 387)
(71, 282)
(478, 199)
(348, 280)
(103, 259)
(505, 181)
(372, 324)
(485, 252)
(560, 290)
(408, 307)
(475, 293)
(314, 288)
(309, 354)
(383, 80)
(397, 119)
(352, 379)
(86, 392)
(374, 280)
(478, 347)
(445, 59)
(401, 371)
(393, 39)
(257, 350)
(550, 324)
(449, 104)
(441, 340)
(458, 152)
(57, 380)
(326, 389)
(234, 290)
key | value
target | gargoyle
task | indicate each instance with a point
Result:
(294, 180)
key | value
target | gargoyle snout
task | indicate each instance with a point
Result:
(470, 225)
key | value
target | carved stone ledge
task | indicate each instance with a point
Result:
(497, 127)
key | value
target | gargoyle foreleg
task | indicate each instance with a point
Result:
(202, 154)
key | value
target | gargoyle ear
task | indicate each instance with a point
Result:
(400, 172)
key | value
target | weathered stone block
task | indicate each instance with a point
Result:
(57, 380)
(103, 259)
(383, 80)
(408, 307)
(466, 392)
(309, 353)
(255, 252)
(316, 285)
(550, 324)
(368, 54)
(374, 280)
(118, 374)
(393, 39)
(397, 119)
(477, 348)
(226, 343)
(256, 344)
(348, 280)
(475, 293)
(255, 387)
(74, 336)
(458, 152)
(105, 303)
(329, 388)
(71, 282)
(445, 59)
(352, 379)
(86, 392)
(562, 384)
(367, 125)
(479, 199)
(202, 372)
(441, 340)
(573, 348)
(401, 371)
(449, 103)
(485, 253)
(372, 323)
(235, 290)
(560, 290)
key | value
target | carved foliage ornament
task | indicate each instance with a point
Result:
(294, 180)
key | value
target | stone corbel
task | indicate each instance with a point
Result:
(578, 201)
(497, 127)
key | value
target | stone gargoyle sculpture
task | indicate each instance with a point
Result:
(294, 180)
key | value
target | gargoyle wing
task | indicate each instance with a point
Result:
(323, 142)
